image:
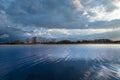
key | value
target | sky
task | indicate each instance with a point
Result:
(60, 19)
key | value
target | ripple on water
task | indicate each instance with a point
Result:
(60, 63)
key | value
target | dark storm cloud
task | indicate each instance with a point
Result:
(54, 13)
(21, 18)
(41, 12)
(12, 33)
(105, 24)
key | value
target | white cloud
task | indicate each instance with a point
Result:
(117, 3)
(101, 14)
(67, 33)
(62, 31)
(77, 4)
(28, 34)
(85, 13)
(4, 36)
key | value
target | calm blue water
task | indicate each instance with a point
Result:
(60, 62)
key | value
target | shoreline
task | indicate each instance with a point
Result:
(60, 44)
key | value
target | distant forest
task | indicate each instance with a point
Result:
(36, 40)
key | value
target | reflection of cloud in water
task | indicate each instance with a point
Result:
(108, 72)
(86, 52)
(76, 62)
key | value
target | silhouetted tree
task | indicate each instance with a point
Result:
(64, 42)
(34, 40)
(17, 42)
(28, 40)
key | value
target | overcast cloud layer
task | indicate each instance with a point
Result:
(71, 19)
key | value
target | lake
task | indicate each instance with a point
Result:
(60, 62)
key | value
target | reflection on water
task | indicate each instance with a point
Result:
(60, 62)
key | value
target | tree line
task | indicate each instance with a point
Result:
(36, 40)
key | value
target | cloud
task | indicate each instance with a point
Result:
(105, 12)
(72, 33)
(60, 13)
(77, 4)
(6, 3)
(102, 15)
(59, 18)
(40, 12)
(4, 36)
(3, 18)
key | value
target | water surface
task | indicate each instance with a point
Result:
(60, 62)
